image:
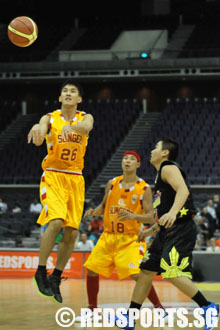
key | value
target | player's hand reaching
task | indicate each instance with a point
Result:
(67, 129)
(143, 234)
(35, 135)
(124, 215)
(167, 220)
(89, 213)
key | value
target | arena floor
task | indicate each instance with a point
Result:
(23, 308)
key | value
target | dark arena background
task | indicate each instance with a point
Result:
(148, 69)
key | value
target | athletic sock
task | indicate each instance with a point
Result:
(200, 299)
(92, 283)
(135, 305)
(57, 272)
(41, 268)
(153, 297)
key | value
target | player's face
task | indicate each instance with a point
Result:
(70, 96)
(130, 163)
(156, 153)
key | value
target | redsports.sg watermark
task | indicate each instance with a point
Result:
(109, 317)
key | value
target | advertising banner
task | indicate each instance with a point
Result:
(24, 264)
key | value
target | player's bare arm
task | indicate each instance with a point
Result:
(147, 217)
(148, 232)
(82, 127)
(38, 131)
(99, 210)
(172, 175)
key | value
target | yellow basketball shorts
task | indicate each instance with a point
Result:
(62, 196)
(118, 251)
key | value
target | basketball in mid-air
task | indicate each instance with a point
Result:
(22, 31)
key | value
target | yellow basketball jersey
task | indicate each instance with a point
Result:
(120, 199)
(64, 155)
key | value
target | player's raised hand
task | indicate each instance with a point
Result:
(89, 213)
(67, 129)
(125, 215)
(35, 135)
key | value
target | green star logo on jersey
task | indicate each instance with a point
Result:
(183, 212)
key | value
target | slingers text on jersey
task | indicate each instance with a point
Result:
(71, 138)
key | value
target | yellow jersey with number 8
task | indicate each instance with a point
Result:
(64, 155)
(119, 200)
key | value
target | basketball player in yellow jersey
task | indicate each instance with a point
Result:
(126, 205)
(62, 184)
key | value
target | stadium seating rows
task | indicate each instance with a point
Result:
(204, 41)
(193, 124)
(21, 162)
(10, 109)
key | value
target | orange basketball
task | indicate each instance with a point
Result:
(22, 31)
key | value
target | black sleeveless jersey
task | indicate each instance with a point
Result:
(164, 196)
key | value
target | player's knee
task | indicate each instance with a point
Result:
(134, 277)
(69, 235)
(55, 225)
(147, 273)
(171, 280)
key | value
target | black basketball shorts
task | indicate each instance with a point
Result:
(171, 251)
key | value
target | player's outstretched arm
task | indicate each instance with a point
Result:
(82, 127)
(148, 232)
(38, 131)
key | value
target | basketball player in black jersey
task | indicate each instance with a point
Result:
(171, 251)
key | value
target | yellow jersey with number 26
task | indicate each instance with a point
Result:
(64, 155)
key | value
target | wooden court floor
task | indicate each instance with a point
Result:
(21, 307)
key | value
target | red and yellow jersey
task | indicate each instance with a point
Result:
(64, 155)
(120, 199)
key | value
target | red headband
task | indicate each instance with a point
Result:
(130, 152)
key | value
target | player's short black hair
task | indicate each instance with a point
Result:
(171, 145)
(75, 83)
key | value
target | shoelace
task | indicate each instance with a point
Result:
(57, 280)
(62, 278)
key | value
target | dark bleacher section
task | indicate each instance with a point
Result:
(97, 37)
(204, 40)
(195, 125)
(112, 121)
(102, 32)
(21, 162)
(9, 111)
(16, 228)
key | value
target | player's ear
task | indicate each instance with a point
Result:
(79, 99)
(60, 98)
(138, 164)
(165, 153)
